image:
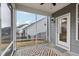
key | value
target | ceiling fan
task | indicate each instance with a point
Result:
(54, 4)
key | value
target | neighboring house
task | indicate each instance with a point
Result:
(20, 31)
(6, 34)
(37, 30)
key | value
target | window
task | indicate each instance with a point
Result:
(63, 32)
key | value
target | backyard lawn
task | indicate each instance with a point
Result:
(22, 43)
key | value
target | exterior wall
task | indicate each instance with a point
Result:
(74, 44)
(41, 28)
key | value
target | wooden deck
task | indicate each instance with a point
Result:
(37, 50)
(40, 50)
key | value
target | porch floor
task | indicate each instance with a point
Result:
(39, 50)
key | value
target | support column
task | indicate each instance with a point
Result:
(49, 29)
(36, 27)
(14, 27)
(46, 28)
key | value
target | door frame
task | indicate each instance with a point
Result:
(68, 32)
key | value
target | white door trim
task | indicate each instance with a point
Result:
(68, 32)
(77, 21)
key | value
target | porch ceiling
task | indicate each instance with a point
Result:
(40, 9)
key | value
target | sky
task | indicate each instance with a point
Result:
(5, 16)
(26, 18)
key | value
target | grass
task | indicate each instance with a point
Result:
(23, 43)
(3, 47)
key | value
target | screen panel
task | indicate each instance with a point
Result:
(6, 28)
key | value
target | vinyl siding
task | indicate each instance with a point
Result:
(74, 44)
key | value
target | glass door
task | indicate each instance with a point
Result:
(63, 31)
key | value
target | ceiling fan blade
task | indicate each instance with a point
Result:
(54, 4)
(41, 3)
